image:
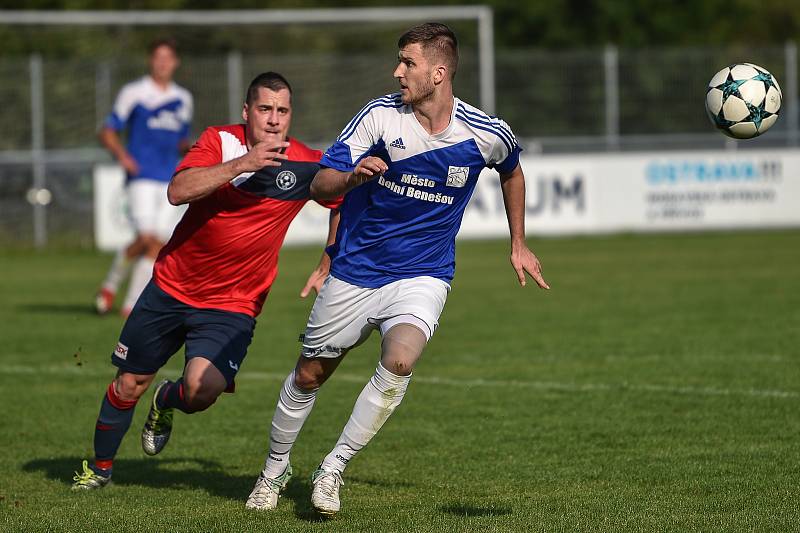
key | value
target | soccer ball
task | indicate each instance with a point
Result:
(743, 100)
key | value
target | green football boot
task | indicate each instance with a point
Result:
(157, 427)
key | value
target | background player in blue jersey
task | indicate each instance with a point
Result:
(156, 114)
(408, 164)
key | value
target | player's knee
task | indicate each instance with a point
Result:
(398, 367)
(130, 387)
(306, 379)
(309, 377)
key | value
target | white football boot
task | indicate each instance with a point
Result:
(325, 496)
(264, 496)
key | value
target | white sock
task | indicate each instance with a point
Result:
(118, 271)
(142, 272)
(380, 396)
(294, 406)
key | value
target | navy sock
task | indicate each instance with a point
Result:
(113, 422)
(171, 396)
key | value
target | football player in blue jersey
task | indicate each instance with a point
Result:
(408, 163)
(156, 114)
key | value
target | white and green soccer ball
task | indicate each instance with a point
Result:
(743, 100)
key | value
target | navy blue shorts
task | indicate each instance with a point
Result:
(159, 324)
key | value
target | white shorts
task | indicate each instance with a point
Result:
(344, 315)
(150, 211)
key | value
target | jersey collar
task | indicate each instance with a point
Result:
(442, 134)
(157, 87)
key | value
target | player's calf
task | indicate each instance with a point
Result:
(199, 398)
(167, 397)
(203, 384)
(113, 421)
(196, 391)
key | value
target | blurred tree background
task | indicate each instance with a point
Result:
(549, 63)
(546, 24)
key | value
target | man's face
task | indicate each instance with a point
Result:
(163, 62)
(415, 74)
(268, 116)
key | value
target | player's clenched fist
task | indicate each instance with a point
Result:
(263, 155)
(366, 169)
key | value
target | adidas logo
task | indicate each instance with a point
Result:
(398, 143)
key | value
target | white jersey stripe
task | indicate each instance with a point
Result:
(492, 122)
(484, 127)
(392, 99)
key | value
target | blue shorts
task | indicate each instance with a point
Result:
(159, 324)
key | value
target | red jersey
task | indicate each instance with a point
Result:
(224, 252)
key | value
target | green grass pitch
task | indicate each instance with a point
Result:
(656, 387)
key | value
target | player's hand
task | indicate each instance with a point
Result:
(367, 169)
(523, 260)
(129, 164)
(263, 155)
(315, 281)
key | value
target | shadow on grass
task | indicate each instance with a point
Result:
(298, 490)
(177, 473)
(55, 307)
(462, 509)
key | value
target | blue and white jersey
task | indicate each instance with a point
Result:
(157, 121)
(404, 224)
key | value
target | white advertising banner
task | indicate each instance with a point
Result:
(659, 191)
(112, 225)
(591, 193)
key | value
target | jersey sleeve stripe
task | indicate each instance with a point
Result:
(507, 139)
(486, 120)
(343, 137)
(353, 124)
(489, 119)
(479, 126)
(364, 110)
(388, 99)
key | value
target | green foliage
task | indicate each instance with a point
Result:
(555, 24)
(654, 388)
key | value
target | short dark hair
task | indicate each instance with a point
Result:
(169, 42)
(436, 38)
(268, 80)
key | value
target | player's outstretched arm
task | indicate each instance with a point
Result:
(330, 183)
(317, 277)
(110, 139)
(195, 183)
(522, 258)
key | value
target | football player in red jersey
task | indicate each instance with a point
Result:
(244, 184)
